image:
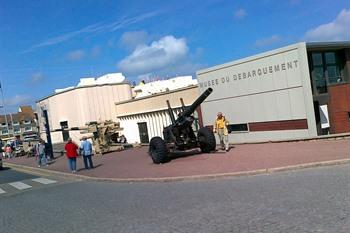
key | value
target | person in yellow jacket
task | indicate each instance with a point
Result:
(220, 127)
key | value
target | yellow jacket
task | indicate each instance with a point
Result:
(216, 125)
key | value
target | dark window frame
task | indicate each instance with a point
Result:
(338, 63)
(238, 128)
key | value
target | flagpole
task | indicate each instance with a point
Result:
(3, 106)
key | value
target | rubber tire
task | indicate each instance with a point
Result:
(158, 150)
(206, 140)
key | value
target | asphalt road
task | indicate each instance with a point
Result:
(8, 175)
(311, 200)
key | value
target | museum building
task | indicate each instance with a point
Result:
(298, 91)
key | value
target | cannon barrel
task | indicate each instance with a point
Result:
(189, 110)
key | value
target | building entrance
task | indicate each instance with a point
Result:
(143, 131)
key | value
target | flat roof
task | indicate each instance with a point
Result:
(157, 94)
(75, 88)
(251, 58)
(328, 45)
(308, 45)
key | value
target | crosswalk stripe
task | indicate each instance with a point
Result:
(20, 185)
(2, 191)
(44, 181)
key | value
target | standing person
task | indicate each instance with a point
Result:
(40, 153)
(86, 149)
(1, 148)
(220, 127)
(8, 151)
(71, 152)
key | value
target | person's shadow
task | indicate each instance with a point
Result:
(219, 151)
(96, 166)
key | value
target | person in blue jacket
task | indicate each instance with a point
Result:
(86, 149)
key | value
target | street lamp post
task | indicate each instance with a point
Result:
(47, 131)
(3, 107)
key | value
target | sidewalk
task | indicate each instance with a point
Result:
(241, 159)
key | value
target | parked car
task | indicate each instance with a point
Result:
(31, 137)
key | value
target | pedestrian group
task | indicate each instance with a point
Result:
(85, 149)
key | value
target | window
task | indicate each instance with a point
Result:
(65, 133)
(330, 58)
(64, 124)
(27, 128)
(237, 128)
(326, 68)
(4, 131)
(320, 80)
(333, 68)
(16, 129)
(15, 123)
(27, 122)
(317, 59)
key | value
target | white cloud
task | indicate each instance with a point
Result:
(131, 40)
(240, 13)
(96, 51)
(171, 71)
(93, 28)
(267, 41)
(158, 55)
(336, 30)
(76, 55)
(36, 78)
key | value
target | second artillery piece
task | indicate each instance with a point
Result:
(105, 136)
(180, 135)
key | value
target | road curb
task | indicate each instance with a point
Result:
(179, 178)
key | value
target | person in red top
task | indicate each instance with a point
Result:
(72, 154)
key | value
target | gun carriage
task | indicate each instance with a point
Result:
(179, 135)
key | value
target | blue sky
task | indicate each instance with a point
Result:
(46, 44)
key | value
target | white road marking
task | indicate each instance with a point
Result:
(20, 185)
(44, 181)
(2, 191)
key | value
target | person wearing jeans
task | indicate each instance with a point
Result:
(72, 164)
(86, 149)
(40, 153)
(71, 152)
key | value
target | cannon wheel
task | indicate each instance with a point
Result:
(206, 140)
(158, 150)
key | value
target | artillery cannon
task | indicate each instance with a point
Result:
(180, 135)
(105, 136)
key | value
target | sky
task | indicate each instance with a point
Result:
(48, 44)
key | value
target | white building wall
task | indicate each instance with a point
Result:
(273, 86)
(55, 137)
(81, 105)
(156, 121)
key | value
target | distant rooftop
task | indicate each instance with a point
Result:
(25, 113)
(151, 88)
(112, 78)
